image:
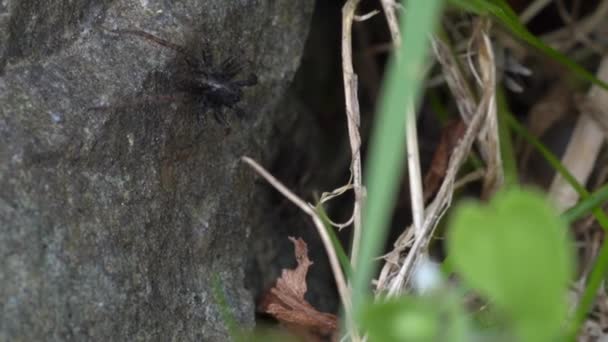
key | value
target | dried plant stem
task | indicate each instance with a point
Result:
(415, 175)
(584, 145)
(391, 17)
(353, 119)
(489, 136)
(397, 271)
(533, 9)
(307, 208)
(441, 202)
(563, 38)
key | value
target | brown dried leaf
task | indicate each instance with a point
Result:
(285, 301)
(450, 135)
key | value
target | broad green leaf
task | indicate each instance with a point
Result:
(500, 10)
(516, 252)
(600, 268)
(415, 319)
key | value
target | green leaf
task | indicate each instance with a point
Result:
(516, 252)
(501, 11)
(415, 319)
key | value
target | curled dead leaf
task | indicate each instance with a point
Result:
(285, 301)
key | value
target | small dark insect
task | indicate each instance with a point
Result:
(213, 87)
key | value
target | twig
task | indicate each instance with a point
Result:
(360, 18)
(563, 39)
(353, 119)
(469, 178)
(532, 10)
(393, 25)
(489, 135)
(307, 208)
(415, 175)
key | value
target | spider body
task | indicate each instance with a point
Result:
(213, 87)
(215, 91)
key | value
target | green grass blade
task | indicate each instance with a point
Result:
(509, 161)
(596, 199)
(598, 274)
(387, 146)
(342, 257)
(548, 155)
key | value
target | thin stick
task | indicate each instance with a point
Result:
(563, 38)
(353, 119)
(307, 208)
(533, 9)
(415, 175)
(393, 25)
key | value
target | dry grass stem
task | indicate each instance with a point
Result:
(563, 39)
(439, 205)
(584, 145)
(327, 196)
(469, 178)
(533, 9)
(465, 97)
(488, 136)
(455, 79)
(353, 119)
(397, 270)
(415, 175)
(365, 17)
(307, 208)
(389, 7)
(392, 260)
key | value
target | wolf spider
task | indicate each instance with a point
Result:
(212, 87)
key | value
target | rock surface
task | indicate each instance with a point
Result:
(120, 209)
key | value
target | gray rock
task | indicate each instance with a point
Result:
(120, 209)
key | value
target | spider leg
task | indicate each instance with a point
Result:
(207, 57)
(145, 35)
(144, 100)
(220, 118)
(206, 54)
(230, 67)
(250, 81)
